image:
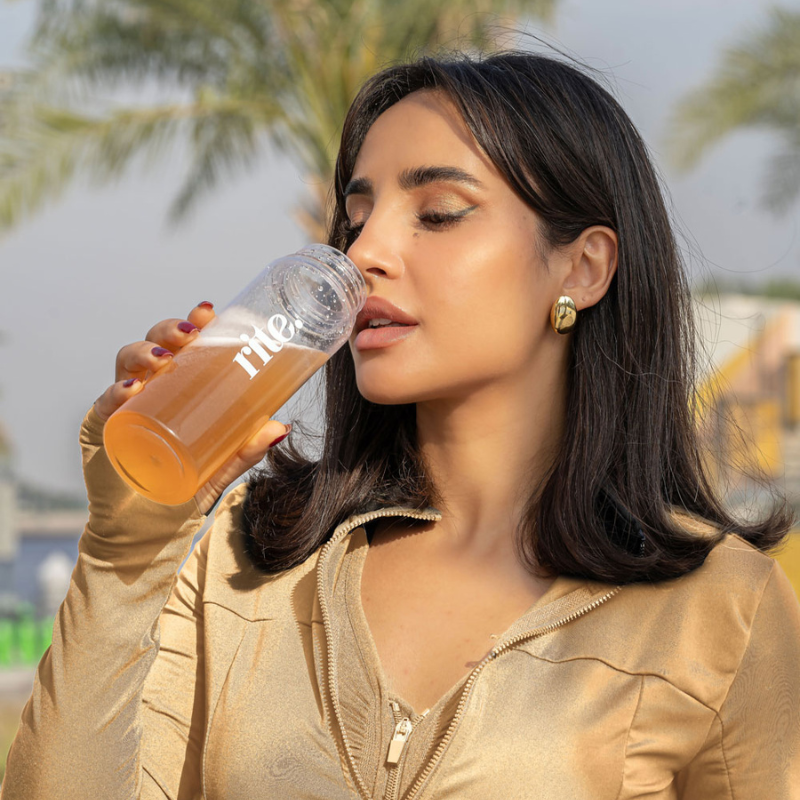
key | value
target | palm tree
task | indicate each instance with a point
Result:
(756, 85)
(239, 74)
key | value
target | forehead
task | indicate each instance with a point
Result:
(424, 128)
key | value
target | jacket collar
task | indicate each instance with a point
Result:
(567, 596)
(566, 599)
(328, 567)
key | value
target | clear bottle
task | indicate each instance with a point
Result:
(190, 418)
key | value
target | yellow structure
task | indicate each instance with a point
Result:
(789, 559)
(749, 402)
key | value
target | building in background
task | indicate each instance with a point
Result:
(9, 537)
(39, 533)
(750, 404)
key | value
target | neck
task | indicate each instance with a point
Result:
(488, 451)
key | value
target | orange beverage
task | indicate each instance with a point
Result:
(168, 440)
(193, 415)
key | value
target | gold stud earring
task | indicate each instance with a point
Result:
(563, 315)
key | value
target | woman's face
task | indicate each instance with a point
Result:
(442, 236)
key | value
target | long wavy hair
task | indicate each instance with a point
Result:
(630, 457)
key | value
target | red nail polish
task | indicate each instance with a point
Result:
(160, 352)
(205, 304)
(187, 327)
(281, 438)
(128, 383)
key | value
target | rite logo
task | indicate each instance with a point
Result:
(265, 345)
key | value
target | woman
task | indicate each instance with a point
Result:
(506, 575)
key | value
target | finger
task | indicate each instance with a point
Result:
(177, 333)
(141, 360)
(173, 334)
(116, 395)
(164, 340)
(201, 314)
(270, 434)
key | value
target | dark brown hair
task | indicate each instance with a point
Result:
(630, 456)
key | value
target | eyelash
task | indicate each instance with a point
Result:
(439, 220)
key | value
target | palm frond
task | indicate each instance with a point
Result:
(783, 176)
(42, 148)
(223, 145)
(242, 72)
(757, 84)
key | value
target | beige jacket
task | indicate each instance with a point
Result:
(229, 685)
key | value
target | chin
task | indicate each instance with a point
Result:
(382, 383)
(383, 395)
(398, 391)
(403, 379)
(386, 387)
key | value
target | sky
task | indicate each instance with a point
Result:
(97, 268)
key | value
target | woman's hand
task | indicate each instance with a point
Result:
(141, 360)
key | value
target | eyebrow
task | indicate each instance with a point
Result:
(416, 177)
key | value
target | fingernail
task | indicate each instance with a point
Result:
(281, 438)
(160, 352)
(128, 383)
(205, 304)
(187, 327)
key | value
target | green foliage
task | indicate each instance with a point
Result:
(756, 85)
(24, 640)
(242, 73)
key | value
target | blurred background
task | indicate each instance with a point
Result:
(156, 154)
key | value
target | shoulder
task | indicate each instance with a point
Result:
(734, 573)
(693, 631)
(727, 588)
(232, 581)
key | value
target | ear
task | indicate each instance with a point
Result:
(592, 265)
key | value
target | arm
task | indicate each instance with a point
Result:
(82, 729)
(107, 718)
(753, 747)
(174, 715)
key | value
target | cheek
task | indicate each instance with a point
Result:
(494, 300)
(483, 303)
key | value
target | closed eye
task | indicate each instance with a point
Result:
(441, 220)
(433, 219)
(352, 230)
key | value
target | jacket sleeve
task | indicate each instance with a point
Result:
(89, 728)
(753, 746)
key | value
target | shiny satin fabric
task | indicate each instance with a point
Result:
(226, 684)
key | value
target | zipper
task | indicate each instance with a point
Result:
(355, 523)
(402, 730)
(491, 656)
(465, 692)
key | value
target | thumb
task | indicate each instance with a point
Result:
(253, 450)
(270, 434)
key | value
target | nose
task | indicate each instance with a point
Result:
(375, 252)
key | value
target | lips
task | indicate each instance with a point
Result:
(380, 308)
(381, 336)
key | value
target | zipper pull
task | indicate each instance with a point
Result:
(401, 733)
